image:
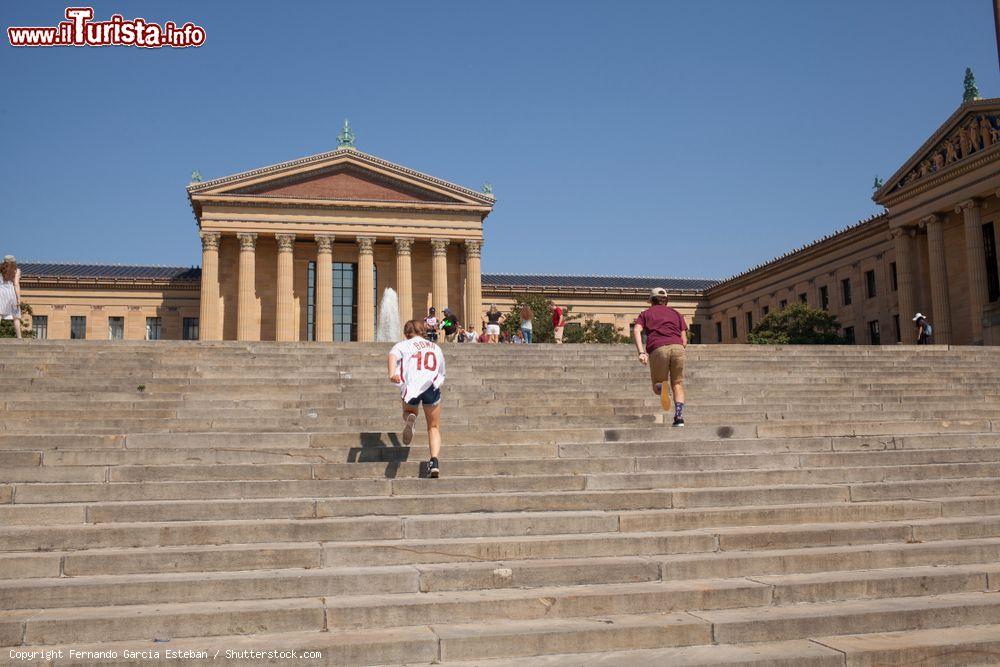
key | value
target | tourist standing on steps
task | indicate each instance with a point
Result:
(449, 324)
(558, 323)
(494, 318)
(666, 338)
(527, 315)
(431, 324)
(416, 366)
(10, 292)
(924, 329)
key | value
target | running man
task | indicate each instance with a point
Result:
(416, 366)
(666, 338)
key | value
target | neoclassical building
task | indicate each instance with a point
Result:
(301, 250)
(933, 251)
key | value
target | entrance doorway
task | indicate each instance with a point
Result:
(345, 300)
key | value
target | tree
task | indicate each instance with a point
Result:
(592, 331)
(541, 323)
(7, 326)
(797, 324)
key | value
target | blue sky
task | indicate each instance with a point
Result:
(645, 138)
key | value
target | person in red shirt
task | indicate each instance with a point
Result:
(666, 338)
(558, 323)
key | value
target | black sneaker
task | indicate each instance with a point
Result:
(433, 469)
(678, 422)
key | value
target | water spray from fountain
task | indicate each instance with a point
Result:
(389, 329)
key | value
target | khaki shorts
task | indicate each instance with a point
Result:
(558, 334)
(667, 363)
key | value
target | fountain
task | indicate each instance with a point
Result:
(389, 329)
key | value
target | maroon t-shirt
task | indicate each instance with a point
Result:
(663, 326)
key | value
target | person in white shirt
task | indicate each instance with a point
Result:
(416, 366)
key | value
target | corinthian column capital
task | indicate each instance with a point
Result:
(285, 242)
(210, 240)
(324, 242)
(248, 240)
(366, 245)
(439, 247)
(404, 245)
(473, 247)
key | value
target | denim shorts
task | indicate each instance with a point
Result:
(430, 397)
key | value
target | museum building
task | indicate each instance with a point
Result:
(301, 250)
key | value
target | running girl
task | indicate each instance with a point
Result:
(416, 366)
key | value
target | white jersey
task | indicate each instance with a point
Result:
(421, 366)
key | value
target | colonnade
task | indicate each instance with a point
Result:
(248, 323)
(940, 311)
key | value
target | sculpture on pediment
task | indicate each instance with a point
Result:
(878, 183)
(963, 142)
(925, 168)
(938, 159)
(951, 150)
(973, 130)
(986, 131)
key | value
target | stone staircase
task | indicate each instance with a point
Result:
(824, 506)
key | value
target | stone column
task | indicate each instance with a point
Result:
(941, 305)
(247, 326)
(404, 278)
(209, 326)
(903, 241)
(439, 273)
(324, 288)
(366, 289)
(284, 325)
(975, 259)
(474, 283)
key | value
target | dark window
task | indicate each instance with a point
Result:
(870, 284)
(718, 332)
(749, 322)
(154, 328)
(77, 327)
(849, 335)
(895, 323)
(803, 298)
(874, 336)
(766, 310)
(694, 335)
(116, 328)
(782, 304)
(893, 280)
(190, 330)
(845, 291)
(732, 328)
(345, 301)
(311, 302)
(40, 325)
(824, 297)
(992, 273)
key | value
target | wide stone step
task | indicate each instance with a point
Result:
(66, 530)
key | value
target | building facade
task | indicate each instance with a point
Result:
(302, 249)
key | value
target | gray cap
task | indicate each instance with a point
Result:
(657, 291)
(8, 258)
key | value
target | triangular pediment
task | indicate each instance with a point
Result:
(345, 175)
(973, 131)
(344, 182)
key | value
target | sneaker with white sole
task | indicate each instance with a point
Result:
(433, 469)
(678, 422)
(408, 423)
